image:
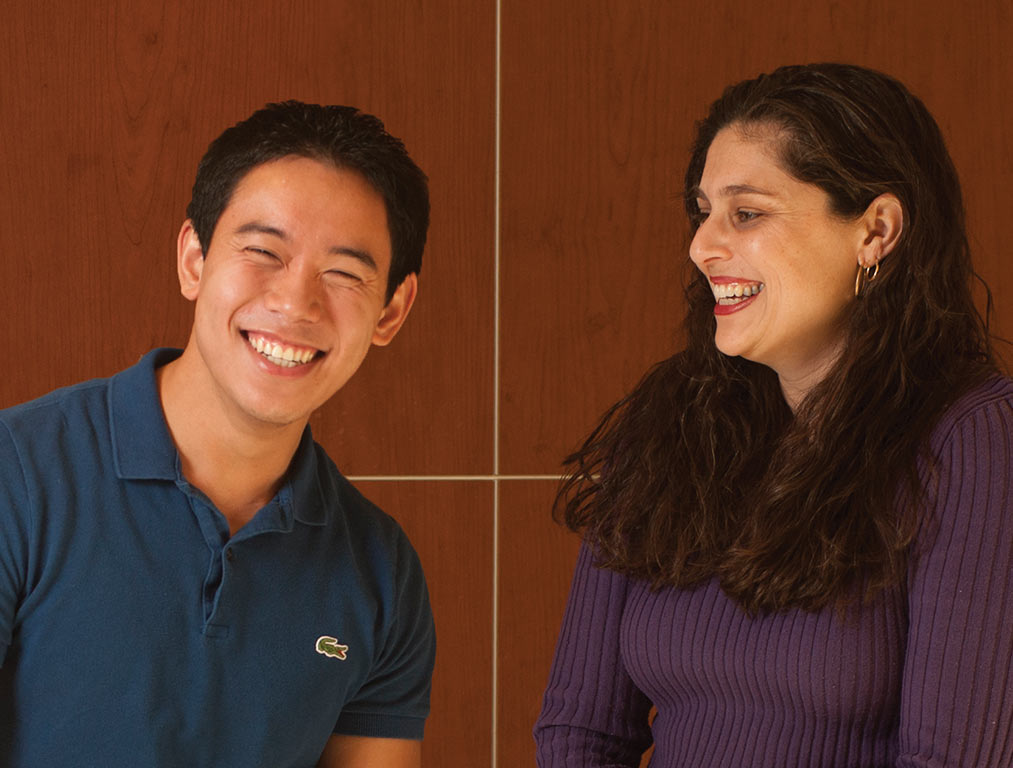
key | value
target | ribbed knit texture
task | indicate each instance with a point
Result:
(921, 676)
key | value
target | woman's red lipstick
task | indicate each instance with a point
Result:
(732, 294)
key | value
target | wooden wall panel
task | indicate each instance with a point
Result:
(591, 225)
(107, 108)
(536, 565)
(598, 104)
(593, 233)
(450, 524)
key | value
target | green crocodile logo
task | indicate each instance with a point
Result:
(329, 646)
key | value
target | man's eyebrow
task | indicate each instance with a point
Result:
(362, 256)
(338, 250)
(261, 229)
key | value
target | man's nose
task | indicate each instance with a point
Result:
(295, 293)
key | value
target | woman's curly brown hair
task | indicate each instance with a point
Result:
(704, 471)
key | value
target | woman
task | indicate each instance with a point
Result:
(798, 531)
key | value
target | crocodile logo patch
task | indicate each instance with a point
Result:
(329, 646)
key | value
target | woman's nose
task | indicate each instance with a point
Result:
(708, 243)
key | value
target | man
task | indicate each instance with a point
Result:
(185, 577)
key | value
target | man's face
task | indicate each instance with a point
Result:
(290, 293)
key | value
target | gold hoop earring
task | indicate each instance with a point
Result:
(869, 274)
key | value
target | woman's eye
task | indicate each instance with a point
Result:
(744, 217)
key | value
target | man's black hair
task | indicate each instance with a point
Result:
(343, 136)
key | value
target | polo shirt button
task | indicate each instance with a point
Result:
(230, 555)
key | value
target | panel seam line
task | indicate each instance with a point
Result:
(494, 741)
(447, 478)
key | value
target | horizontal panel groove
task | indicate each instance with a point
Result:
(448, 478)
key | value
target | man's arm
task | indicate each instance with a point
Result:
(365, 752)
(382, 724)
(14, 531)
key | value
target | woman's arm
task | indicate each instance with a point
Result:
(593, 715)
(957, 697)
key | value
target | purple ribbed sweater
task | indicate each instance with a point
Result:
(918, 677)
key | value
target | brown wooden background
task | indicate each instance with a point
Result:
(555, 137)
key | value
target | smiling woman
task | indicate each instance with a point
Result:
(761, 228)
(797, 529)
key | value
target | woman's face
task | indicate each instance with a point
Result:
(781, 264)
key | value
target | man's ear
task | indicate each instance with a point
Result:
(189, 261)
(394, 314)
(883, 223)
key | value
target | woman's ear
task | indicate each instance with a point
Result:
(189, 260)
(883, 223)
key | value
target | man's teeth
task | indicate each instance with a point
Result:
(733, 293)
(286, 357)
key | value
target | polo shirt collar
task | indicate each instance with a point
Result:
(303, 482)
(143, 448)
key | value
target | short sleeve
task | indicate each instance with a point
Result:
(957, 696)
(394, 700)
(593, 715)
(14, 516)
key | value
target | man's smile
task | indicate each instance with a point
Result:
(284, 355)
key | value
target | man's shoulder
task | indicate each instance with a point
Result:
(80, 408)
(373, 544)
(346, 501)
(57, 407)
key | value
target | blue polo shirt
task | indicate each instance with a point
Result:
(134, 631)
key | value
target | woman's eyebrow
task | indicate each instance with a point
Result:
(744, 189)
(730, 190)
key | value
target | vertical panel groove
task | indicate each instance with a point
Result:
(495, 401)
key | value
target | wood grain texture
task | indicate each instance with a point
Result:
(450, 525)
(591, 225)
(535, 568)
(107, 108)
(599, 101)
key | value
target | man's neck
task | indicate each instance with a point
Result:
(235, 461)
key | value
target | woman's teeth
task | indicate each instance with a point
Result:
(286, 357)
(733, 293)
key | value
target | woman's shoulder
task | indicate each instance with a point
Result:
(968, 476)
(989, 403)
(972, 444)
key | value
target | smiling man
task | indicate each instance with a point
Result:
(185, 577)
